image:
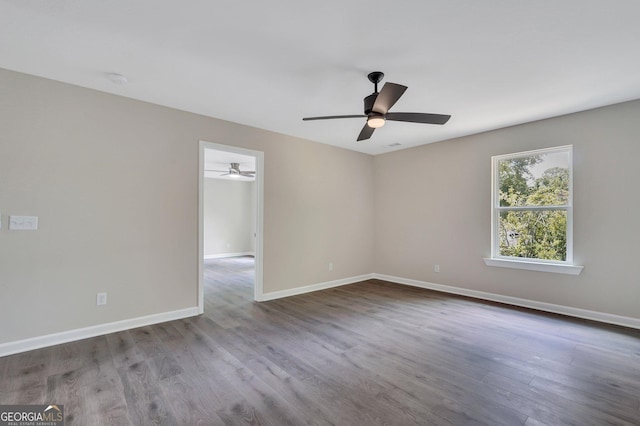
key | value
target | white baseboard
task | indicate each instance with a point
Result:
(10, 348)
(220, 256)
(516, 301)
(314, 287)
(18, 346)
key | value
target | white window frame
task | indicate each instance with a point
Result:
(545, 265)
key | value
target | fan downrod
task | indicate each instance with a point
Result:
(376, 77)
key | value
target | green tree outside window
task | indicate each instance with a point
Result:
(533, 195)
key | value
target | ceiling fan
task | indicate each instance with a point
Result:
(377, 105)
(234, 170)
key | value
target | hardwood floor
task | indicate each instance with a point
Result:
(371, 353)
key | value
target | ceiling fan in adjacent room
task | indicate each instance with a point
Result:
(377, 105)
(234, 170)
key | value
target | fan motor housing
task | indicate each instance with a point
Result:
(368, 103)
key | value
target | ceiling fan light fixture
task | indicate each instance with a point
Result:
(377, 105)
(375, 121)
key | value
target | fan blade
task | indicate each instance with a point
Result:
(221, 171)
(388, 96)
(331, 117)
(365, 133)
(417, 117)
(247, 174)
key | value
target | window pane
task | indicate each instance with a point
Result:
(539, 234)
(535, 180)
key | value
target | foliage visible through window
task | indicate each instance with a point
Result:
(532, 205)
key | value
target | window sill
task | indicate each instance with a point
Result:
(534, 266)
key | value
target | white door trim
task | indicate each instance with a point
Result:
(259, 156)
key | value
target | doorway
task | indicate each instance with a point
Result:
(238, 164)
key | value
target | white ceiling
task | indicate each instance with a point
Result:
(267, 64)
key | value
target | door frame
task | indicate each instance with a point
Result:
(259, 156)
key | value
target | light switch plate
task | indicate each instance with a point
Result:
(23, 223)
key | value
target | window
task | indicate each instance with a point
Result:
(532, 211)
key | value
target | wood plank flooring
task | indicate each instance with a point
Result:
(371, 353)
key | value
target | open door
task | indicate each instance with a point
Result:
(233, 170)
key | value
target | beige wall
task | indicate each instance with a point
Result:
(229, 208)
(114, 183)
(433, 207)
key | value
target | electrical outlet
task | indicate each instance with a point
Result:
(331, 266)
(436, 268)
(101, 299)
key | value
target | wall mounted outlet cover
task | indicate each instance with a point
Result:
(101, 299)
